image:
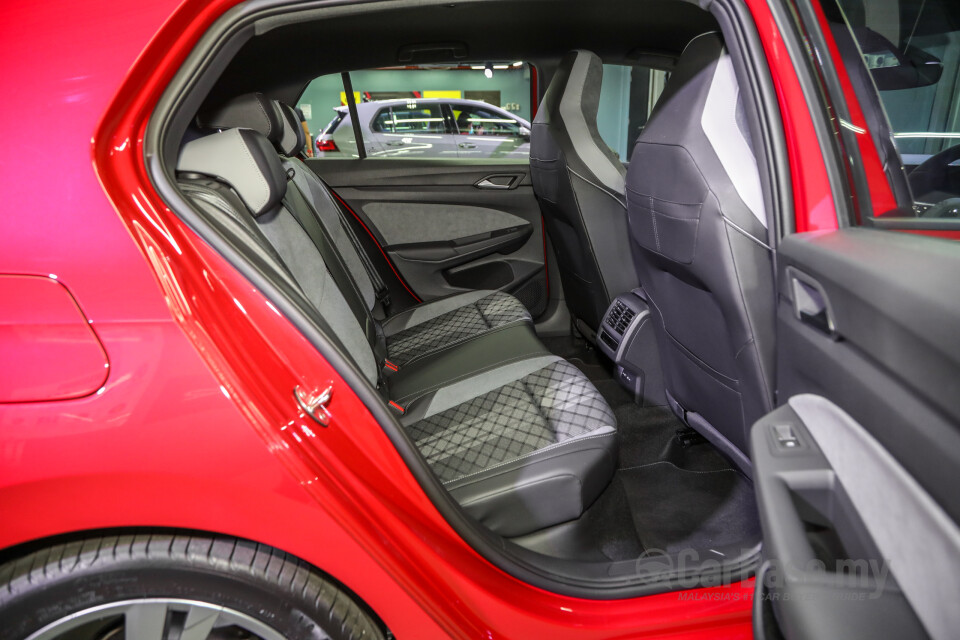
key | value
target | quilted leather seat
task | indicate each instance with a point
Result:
(520, 438)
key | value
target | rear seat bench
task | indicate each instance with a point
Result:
(520, 438)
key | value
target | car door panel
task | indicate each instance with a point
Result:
(869, 367)
(449, 227)
(826, 490)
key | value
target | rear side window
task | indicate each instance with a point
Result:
(383, 122)
(910, 51)
(422, 111)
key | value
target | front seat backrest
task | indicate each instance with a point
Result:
(579, 181)
(698, 230)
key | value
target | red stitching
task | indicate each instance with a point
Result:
(374, 238)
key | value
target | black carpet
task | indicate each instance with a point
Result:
(664, 496)
(675, 509)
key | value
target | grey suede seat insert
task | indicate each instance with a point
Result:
(520, 438)
(417, 331)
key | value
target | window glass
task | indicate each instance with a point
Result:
(627, 97)
(383, 122)
(425, 111)
(911, 49)
(412, 118)
(472, 120)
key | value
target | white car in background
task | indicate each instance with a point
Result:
(427, 128)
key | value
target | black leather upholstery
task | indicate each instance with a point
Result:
(243, 159)
(579, 183)
(293, 138)
(698, 232)
(249, 111)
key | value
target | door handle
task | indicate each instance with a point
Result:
(467, 145)
(395, 143)
(810, 303)
(315, 406)
(498, 181)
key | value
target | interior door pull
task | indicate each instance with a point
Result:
(810, 303)
(498, 181)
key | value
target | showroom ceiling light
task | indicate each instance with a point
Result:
(488, 70)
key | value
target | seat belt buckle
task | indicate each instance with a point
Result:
(396, 407)
(389, 366)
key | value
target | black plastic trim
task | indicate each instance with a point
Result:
(931, 224)
(354, 116)
(451, 253)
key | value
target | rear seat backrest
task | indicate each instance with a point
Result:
(247, 162)
(279, 124)
(406, 336)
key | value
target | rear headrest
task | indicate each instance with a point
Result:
(249, 111)
(245, 160)
(293, 138)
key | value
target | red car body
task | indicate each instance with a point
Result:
(173, 408)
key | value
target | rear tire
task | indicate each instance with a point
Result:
(92, 589)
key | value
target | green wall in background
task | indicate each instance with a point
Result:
(613, 116)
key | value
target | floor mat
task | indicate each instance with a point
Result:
(675, 509)
(664, 496)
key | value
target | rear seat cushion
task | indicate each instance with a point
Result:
(484, 353)
(521, 447)
(447, 322)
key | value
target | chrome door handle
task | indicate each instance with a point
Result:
(498, 181)
(467, 145)
(395, 143)
(315, 406)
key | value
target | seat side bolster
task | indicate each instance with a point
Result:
(545, 488)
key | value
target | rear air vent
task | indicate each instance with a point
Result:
(619, 317)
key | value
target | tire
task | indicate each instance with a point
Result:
(91, 589)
